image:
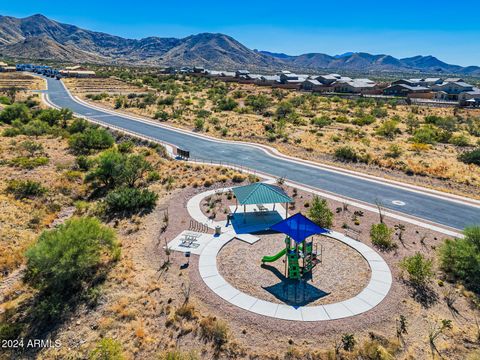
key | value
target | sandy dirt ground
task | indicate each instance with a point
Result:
(342, 274)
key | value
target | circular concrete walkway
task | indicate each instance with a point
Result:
(376, 290)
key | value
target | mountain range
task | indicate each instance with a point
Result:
(39, 38)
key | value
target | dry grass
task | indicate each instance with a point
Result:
(101, 85)
(20, 81)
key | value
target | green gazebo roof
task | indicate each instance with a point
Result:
(260, 193)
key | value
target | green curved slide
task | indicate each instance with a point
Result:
(274, 257)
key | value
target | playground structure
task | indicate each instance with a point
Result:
(301, 255)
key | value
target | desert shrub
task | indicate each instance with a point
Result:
(83, 163)
(470, 157)
(168, 100)
(15, 112)
(258, 103)
(226, 104)
(66, 258)
(459, 140)
(348, 342)
(130, 200)
(284, 109)
(51, 116)
(379, 112)
(238, 178)
(320, 213)
(394, 151)
(125, 146)
(109, 169)
(388, 129)
(460, 258)
(214, 330)
(346, 153)
(161, 115)
(199, 124)
(23, 189)
(4, 100)
(78, 126)
(418, 268)
(107, 349)
(381, 236)
(321, 121)
(11, 132)
(90, 140)
(425, 135)
(448, 123)
(31, 147)
(363, 120)
(29, 162)
(36, 128)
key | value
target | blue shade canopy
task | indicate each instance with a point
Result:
(298, 227)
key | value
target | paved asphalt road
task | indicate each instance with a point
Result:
(441, 211)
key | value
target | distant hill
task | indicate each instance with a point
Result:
(37, 37)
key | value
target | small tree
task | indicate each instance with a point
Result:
(418, 268)
(320, 213)
(130, 200)
(66, 258)
(381, 236)
(460, 258)
(90, 140)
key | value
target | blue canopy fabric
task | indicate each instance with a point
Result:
(298, 227)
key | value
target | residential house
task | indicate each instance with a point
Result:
(314, 85)
(354, 86)
(453, 89)
(404, 90)
(470, 98)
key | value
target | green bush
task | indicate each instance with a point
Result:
(89, 140)
(226, 104)
(5, 100)
(258, 103)
(346, 153)
(320, 213)
(364, 120)
(51, 116)
(130, 200)
(418, 268)
(78, 126)
(29, 162)
(322, 121)
(460, 258)
(161, 115)
(11, 132)
(107, 349)
(67, 258)
(459, 140)
(36, 128)
(426, 135)
(470, 157)
(15, 112)
(115, 169)
(388, 129)
(23, 189)
(381, 236)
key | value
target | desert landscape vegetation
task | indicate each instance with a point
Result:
(432, 146)
(87, 212)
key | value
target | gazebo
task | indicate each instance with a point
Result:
(260, 194)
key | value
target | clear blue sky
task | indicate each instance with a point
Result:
(449, 30)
